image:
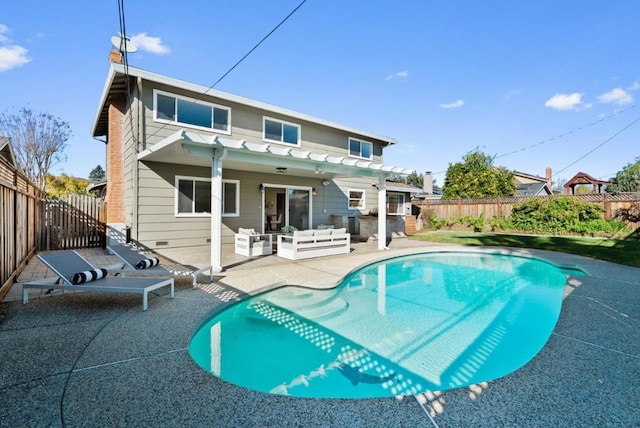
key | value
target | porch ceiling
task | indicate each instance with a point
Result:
(192, 148)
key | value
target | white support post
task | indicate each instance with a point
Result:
(382, 213)
(216, 211)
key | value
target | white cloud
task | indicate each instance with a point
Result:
(399, 75)
(616, 96)
(455, 104)
(635, 85)
(511, 94)
(3, 30)
(11, 56)
(566, 102)
(150, 44)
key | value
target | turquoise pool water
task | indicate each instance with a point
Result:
(425, 322)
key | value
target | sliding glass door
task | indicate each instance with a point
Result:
(298, 208)
(286, 206)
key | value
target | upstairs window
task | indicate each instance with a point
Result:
(360, 149)
(171, 108)
(281, 132)
(356, 199)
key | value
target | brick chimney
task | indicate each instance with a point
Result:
(116, 56)
(548, 174)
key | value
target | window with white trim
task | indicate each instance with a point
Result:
(395, 203)
(360, 149)
(278, 131)
(193, 197)
(356, 199)
(230, 198)
(170, 108)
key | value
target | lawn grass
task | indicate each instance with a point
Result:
(611, 250)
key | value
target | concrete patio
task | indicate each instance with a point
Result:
(88, 359)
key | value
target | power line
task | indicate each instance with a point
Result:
(636, 120)
(273, 30)
(548, 140)
(256, 46)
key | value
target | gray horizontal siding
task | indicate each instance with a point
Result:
(247, 122)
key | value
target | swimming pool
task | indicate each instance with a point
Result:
(425, 322)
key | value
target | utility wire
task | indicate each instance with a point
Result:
(256, 46)
(548, 140)
(636, 120)
(243, 58)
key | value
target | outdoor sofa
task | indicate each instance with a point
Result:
(305, 244)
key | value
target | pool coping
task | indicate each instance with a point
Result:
(84, 359)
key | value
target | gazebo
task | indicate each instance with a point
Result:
(582, 178)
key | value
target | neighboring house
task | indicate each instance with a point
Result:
(399, 196)
(584, 179)
(188, 165)
(98, 188)
(532, 185)
(428, 191)
(6, 152)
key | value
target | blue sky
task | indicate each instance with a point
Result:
(548, 80)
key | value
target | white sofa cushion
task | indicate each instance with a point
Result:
(340, 231)
(302, 233)
(323, 232)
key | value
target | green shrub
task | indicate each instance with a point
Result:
(562, 215)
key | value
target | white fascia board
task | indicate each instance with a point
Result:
(178, 135)
(103, 98)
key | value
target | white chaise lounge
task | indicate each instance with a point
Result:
(305, 244)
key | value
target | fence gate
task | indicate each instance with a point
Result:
(72, 221)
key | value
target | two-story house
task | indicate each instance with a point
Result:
(188, 165)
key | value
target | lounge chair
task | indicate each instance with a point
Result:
(250, 243)
(131, 261)
(69, 264)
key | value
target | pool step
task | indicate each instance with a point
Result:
(307, 303)
(298, 298)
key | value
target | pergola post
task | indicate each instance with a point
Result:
(216, 210)
(382, 212)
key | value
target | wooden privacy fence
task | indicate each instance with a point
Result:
(19, 222)
(622, 207)
(72, 221)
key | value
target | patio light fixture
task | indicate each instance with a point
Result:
(261, 187)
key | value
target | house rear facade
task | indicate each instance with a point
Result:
(188, 165)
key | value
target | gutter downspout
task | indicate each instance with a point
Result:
(136, 170)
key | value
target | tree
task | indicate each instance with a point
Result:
(64, 185)
(627, 179)
(412, 178)
(583, 190)
(97, 174)
(476, 177)
(39, 140)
